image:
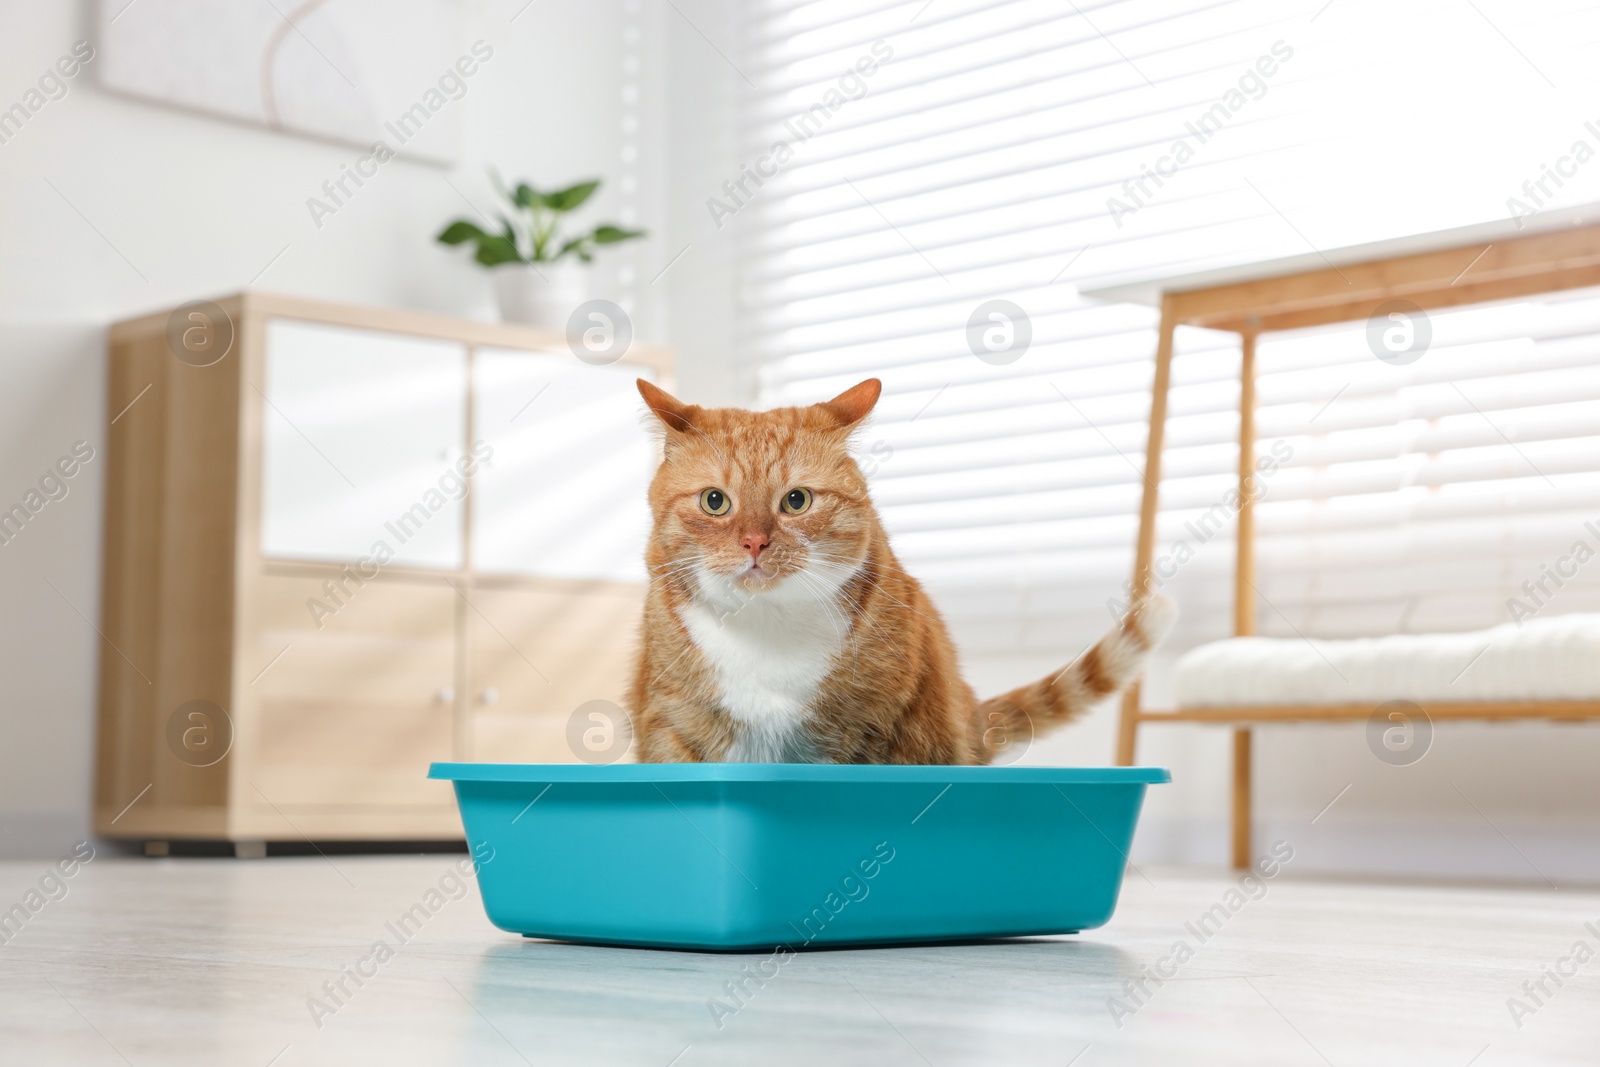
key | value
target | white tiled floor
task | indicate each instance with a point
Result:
(212, 962)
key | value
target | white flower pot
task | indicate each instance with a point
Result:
(542, 294)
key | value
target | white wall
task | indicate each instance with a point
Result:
(51, 388)
(202, 206)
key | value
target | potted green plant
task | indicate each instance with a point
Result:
(536, 269)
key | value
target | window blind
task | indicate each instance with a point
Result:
(907, 162)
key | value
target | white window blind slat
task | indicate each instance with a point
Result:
(978, 162)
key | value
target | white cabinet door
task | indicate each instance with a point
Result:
(363, 446)
(563, 493)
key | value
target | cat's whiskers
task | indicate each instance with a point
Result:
(850, 634)
(864, 617)
(860, 618)
(861, 621)
(679, 571)
(683, 561)
(823, 595)
(869, 565)
(672, 568)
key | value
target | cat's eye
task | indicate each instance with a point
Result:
(796, 500)
(714, 502)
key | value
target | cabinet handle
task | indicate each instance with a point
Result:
(446, 695)
(490, 695)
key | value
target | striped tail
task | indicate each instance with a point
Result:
(1115, 661)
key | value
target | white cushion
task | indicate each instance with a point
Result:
(1541, 659)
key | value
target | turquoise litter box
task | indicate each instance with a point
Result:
(748, 856)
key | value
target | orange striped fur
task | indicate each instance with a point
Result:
(798, 637)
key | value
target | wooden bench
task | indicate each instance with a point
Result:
(1451, 269)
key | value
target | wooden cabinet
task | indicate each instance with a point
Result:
(345, 713)
(358, 426)
(540, 653)
(356, 542)
(563, 496)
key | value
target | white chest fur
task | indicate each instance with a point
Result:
(770, 652)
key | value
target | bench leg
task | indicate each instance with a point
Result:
(1128, 727)
(1241, 798)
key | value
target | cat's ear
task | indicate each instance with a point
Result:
(855, 403)
(674, 413)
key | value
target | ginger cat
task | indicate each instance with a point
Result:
(779, 627)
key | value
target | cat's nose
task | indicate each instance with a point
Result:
(754, 543)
